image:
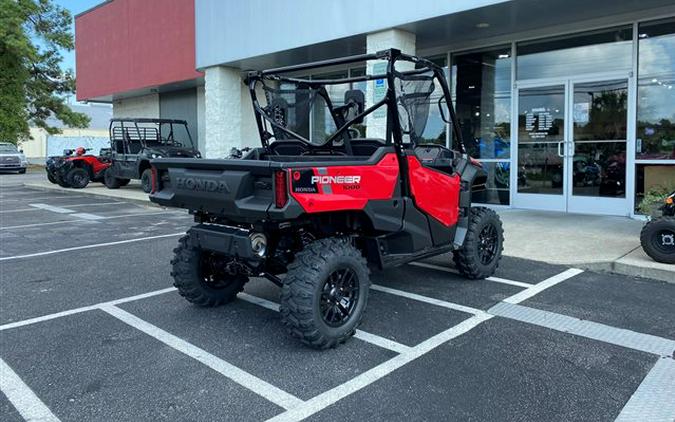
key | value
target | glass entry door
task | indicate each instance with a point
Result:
(541, 148)
(571, 149)
(597, 148)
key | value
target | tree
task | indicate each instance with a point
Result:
(32, 84)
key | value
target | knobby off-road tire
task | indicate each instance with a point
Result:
(110, 181)
(657, 238)
(146, 180)
(197, 282)
(61, 181)
(51, 178)
(78, 178)
(123, 182)
(325, 293)
(479, 256)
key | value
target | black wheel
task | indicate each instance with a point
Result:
(325, 293)
(51, 178)
(78, 178)
(201, 276)
(146, 180)
(110, 181)
(658, 239)
(22, 171)
(479, 256)
(123, 182)
(61, 181)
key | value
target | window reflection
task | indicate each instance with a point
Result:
(482, 96)
(656, 91)
(575, 54)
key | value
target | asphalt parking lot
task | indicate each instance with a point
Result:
(91, 329)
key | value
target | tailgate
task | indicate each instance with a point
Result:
(236, 188)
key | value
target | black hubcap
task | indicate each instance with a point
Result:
(339, 296)
(488, 242)
(213, 273)
(664, 240)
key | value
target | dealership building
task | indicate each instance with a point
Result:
(569, 105)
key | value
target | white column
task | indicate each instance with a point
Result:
(222, 111)
(383, 40)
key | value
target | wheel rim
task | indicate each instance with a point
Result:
(146, 182)
(79, 179)
(339, 296)
(664, 240)
(488, 242)
(213, 273)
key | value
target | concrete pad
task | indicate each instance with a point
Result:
(569, 239)
(130, 193)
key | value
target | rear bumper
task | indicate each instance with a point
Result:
(13, 167)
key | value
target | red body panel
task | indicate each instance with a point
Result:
(341, 188)
(92, 161)
(125, 45)
(435, 193)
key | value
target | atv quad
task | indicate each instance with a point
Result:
(76, 171)
(134, 142)
(658, 235)
(325, 210)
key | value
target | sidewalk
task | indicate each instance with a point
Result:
(599, 243)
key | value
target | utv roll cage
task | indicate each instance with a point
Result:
(125, 129)
(270, 114)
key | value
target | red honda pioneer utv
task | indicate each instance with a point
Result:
(78, 169)
(325, 209)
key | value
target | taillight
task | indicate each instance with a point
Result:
(155, 179)
(280, 189)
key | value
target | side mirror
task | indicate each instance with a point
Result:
(356, 97)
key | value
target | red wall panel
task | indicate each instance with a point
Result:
(126, 45)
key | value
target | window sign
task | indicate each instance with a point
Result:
(379, 89)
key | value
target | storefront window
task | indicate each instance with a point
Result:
(590, 52)
(481, 87)
(655, 137)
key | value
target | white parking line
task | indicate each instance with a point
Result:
(654, 400)
(84, 309)
(385, 343)
(262, 388)
(51, 208)
(540, 287)
(87, 216)
(454, 271)
(97, 245)
(71, 206)
(426, 299)
(363, 380)
(39, 198)
(29, 405)
(607, 334)
(330, 397)
(142, 214)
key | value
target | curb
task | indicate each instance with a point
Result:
(83, 192)
(631, 270)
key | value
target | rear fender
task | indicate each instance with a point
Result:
(472, 176)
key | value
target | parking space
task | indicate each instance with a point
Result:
(91, 329)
